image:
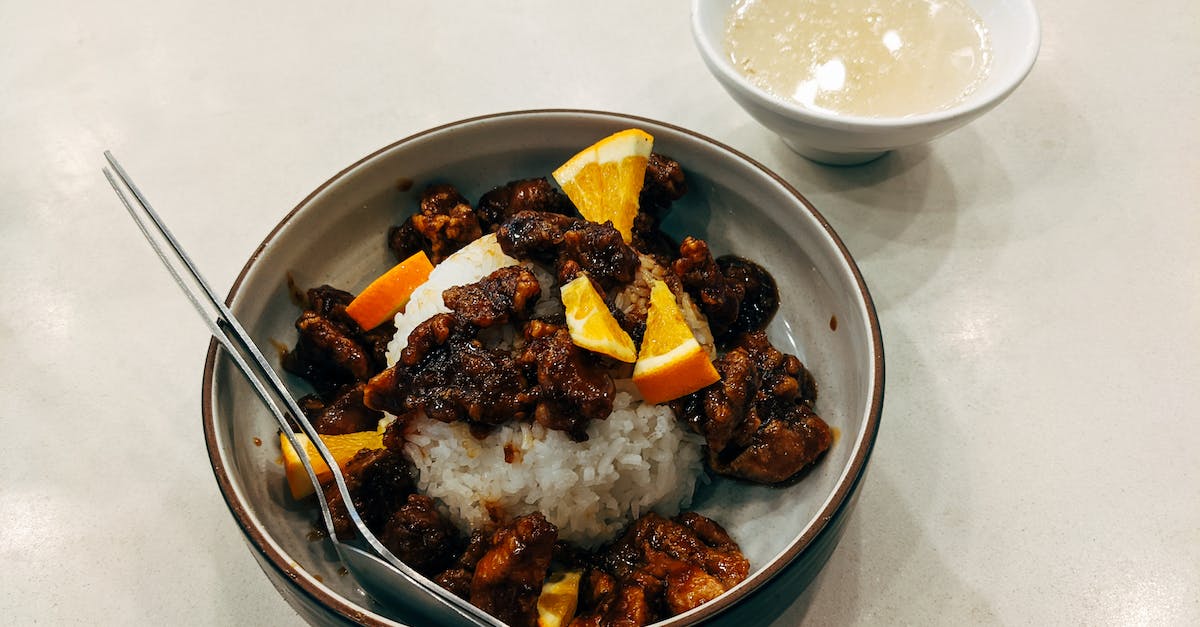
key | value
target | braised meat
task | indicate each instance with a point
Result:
(404, 241)
(509, 292)
(717, 297)
(446, 221)
(332, 350)
(572, 245)
(447, 373)
(502, 203)
(420, 536)
(664, 184)
(661, 567)
(760, 296)
(379, 482)
(457, 578)
(509, 576)
(758, 421)
(346, 413)
(571, 389)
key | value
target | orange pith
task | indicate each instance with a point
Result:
(342, 447)
(591, 324)
(389, 293)
(671, 362)
(604, 179)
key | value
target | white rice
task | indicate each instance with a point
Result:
(637, 460)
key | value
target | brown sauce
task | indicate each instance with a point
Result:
(833, 322)
(257, 441)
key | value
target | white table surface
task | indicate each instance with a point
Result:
(1037, 277)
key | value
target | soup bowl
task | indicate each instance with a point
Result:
(840, 139)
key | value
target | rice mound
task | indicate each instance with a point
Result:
(637, 460)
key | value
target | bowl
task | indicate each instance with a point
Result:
(337, 235)
(838, 139)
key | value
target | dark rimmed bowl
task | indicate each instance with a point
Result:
(338, 236)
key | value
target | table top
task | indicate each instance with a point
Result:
(1036, 273)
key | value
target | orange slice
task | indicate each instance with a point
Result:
(389, 293)
(592, 325)
(671, 363)
(559, 599)
(342, 447)
(604, 180)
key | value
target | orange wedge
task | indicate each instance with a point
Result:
(343, 448)
(604, 180)
(592, 325)
(671, 363)
(389, 293)
(559, 599)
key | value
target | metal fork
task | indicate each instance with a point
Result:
(379, 572)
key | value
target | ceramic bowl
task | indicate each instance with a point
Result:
(337, 236)
(847, 140)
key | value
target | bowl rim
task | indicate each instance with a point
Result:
(271, 553)
(976, 102)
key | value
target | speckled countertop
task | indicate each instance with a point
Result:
(1037, 276)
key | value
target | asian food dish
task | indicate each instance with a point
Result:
(560, 374)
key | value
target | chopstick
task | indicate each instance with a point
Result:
(228, 331)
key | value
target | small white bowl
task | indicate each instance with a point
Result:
(849, 140)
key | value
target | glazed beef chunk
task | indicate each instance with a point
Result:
(571, 388)
(660, 567)
(502, 203)
(509, 576)
(760, 296)
(664, 184)
(758, 421)
(446, 221)
(421, 537)
(447, 373)
(379, 481)
(571, 245)
(332, 350)
(346, 413)
(507, 293)
(716, 296)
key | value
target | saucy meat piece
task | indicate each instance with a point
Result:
(572, 245)
(760, 296)
(420, 536)
(345, 414)
(448, 374)
(446, 221)
(379, 482)
(757, 421)
(509, 576)
(457, 578)
(502, 203)
(717, 297)
(664, 184)
(404, 241)
(332, 350)
(662, 567)
(571, 389)
(509, 292)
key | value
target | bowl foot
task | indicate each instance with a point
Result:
(826, 157)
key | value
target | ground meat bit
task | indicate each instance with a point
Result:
(446, 221)
(379, 482)
(332, 350)
(421, 537)
(509, 292)
(345, 414)
(757, 421)
(509, 576)
(660, 568)
(502, 203)
(664, 184)
(717, 297)
(760, 296)
(449, 375)
(572, 245)
(571, 389)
